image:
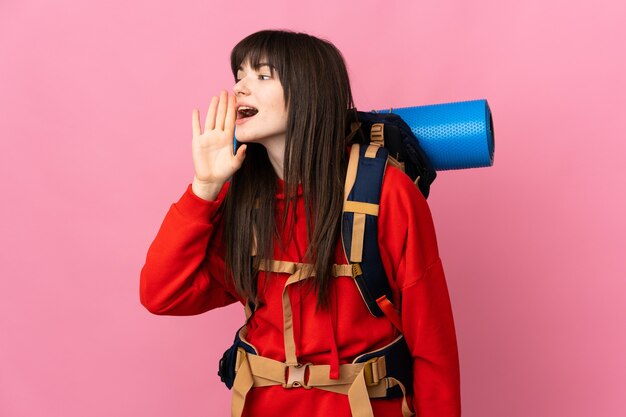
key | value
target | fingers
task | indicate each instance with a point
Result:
(221, 110)
(240, 155)
(231, 114)
(209, 123)
(222, 114)
(195, 122)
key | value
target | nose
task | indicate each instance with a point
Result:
(240, 88)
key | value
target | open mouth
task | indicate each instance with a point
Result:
(245, 111)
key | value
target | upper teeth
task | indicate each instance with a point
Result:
(245, 108)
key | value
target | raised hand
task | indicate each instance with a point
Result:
(212, 150)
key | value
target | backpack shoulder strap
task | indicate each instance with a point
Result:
(359, 228)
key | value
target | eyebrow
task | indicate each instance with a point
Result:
(261, 64)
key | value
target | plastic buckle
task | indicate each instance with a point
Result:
(370, 372)
(356, 270)
(295, 376)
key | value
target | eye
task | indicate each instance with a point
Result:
(265, 77)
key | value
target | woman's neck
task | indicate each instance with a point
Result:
(276, 154)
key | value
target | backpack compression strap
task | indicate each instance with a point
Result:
(359, 229)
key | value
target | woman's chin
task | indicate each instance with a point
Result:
(241, 138)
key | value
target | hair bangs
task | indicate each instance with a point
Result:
(259, 49)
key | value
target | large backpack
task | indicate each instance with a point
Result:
(377, 139)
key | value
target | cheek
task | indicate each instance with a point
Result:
(284, 111)
(278, 100)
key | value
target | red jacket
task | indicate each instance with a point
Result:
(184, 275)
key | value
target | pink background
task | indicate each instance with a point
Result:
(95, 105)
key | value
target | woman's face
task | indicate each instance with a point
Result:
(261, 110)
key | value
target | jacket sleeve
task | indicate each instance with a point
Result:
(184, 273)
(410, 254)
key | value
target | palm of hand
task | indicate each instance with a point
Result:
(212, 150)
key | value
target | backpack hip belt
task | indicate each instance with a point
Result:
(369, 376)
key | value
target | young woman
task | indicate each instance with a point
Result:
(262, 227)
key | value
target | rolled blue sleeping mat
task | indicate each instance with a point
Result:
(453, 135)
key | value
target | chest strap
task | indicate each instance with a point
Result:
(297, 272)
(368, 378)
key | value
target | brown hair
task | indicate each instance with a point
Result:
(317, 92)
